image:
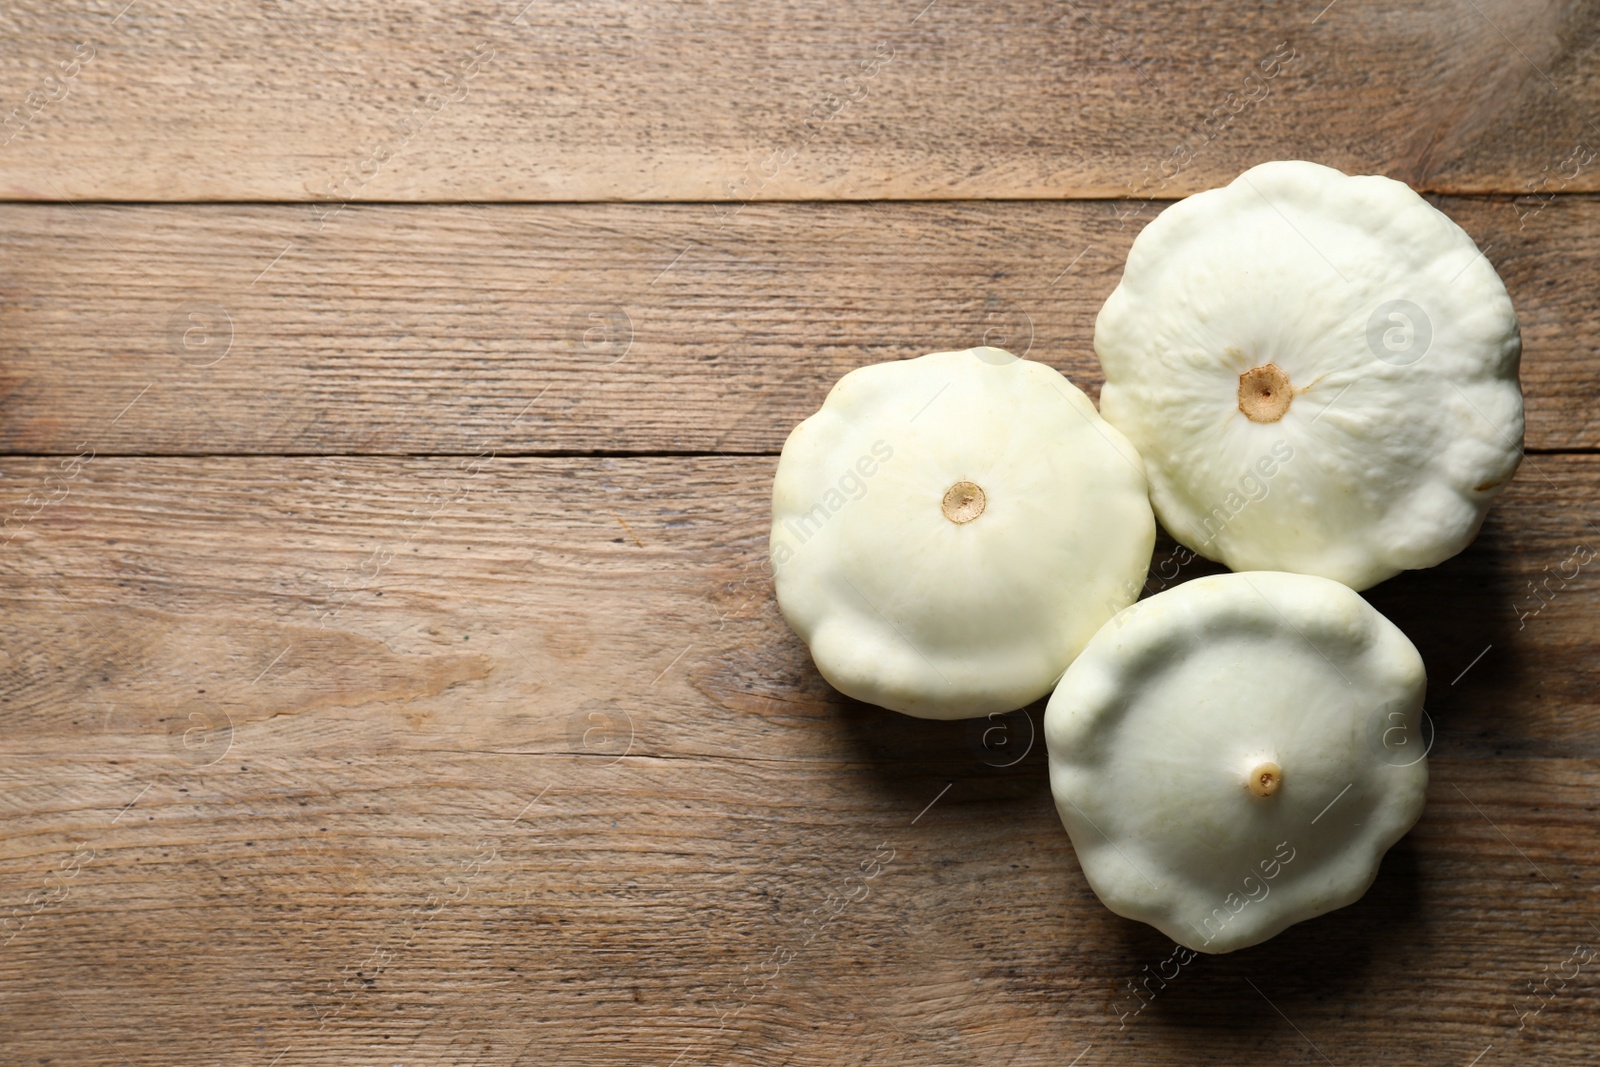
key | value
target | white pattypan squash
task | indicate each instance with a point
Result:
(949, 531)
(1237, 754)
(1320, 372)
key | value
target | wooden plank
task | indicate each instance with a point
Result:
(574, 100)
(497, 909)
(582, 328)
(496, 761)
(301, 607)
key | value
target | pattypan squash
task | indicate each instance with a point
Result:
(1236, 754)
(949, 531)
(1320, 372)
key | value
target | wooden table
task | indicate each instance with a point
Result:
(389, 399)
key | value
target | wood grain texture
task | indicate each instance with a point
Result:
(500, 761)
(492, 604)
(338, 911)
(389, 669)
(582, 328)
(739, 101)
